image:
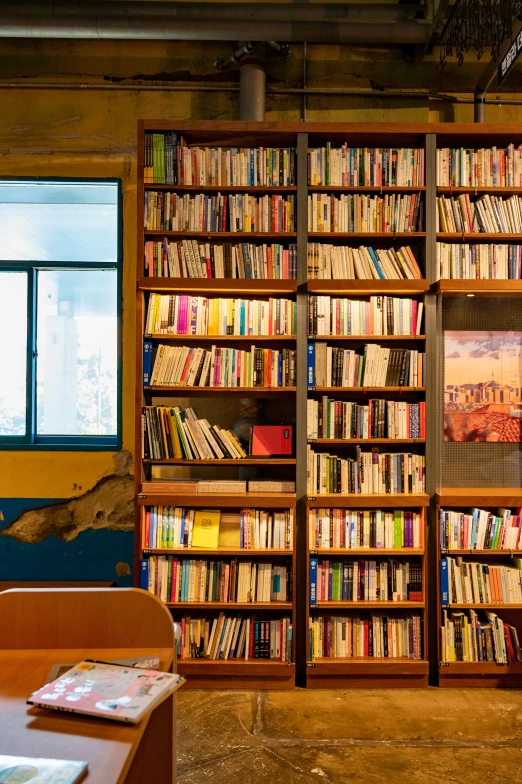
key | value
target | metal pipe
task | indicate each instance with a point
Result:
(479, 110)
(170, 28)
(252, 88)
(316, 12)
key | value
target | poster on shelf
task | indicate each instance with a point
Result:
(482, 386)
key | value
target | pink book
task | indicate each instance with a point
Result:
(414, 317)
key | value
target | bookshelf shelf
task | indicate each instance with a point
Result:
(224, 461)
(479, 496)
(443, 190)
(400, 552)
(367, 672)
(482, 553)
(237, 673)
(361, 287)
(361, 501)
(233, 286)
(485, 606)
(191, 552)
(355, 441)
(364, 390)
(464, 237)
(275, 606)
(480, 288)
(261, 500)
(377, 189)
(223, 235)
(163, 186)
(367, 235)
(363, 338)
(220, 391)
(361, 605)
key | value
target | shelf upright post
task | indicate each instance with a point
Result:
(301, 409)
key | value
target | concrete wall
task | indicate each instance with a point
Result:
(77, 132)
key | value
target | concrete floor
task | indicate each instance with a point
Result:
(429, 736)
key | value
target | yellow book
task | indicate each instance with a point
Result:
(230, 530)
(206, 529)
(213, 321)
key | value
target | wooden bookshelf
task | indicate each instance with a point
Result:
(360, 287)
(355, 441)
(364, 338)
(225, 286)
(450, 287)
(226, 461)
(476, 674)
(222, 338)
(375, 189)
(366, 501)
(260, 189)
(212, 500)
(220, 391)
(223, 235)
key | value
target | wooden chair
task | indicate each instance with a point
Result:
(44, 618)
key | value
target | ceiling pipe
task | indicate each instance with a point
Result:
(252, 85)
(316, 12)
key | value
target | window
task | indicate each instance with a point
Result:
(60, 293)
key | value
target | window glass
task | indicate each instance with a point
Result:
(13, 352)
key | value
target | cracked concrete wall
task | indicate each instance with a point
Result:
(68, 515)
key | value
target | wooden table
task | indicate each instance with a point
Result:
(116, 752)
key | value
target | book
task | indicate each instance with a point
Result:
(472, 636)
(233, 486)
(371, 366)
(147, 362)
(195, 259)
(488, 213)
(480, 530)
(359, 529)
(221, 213)
(140, 662)
(41, 771)
(107, 690)
(206, 637)
(380, 315)
(206, 529)
(372, 635)
(340, 419)
(348, 166)
(372, 580)
(354, 212)
(230, 530)
(313, 581)
(479, 261)
(485, 167)
(469, 582)
(271, 440)
(339, 262)
(171, 485)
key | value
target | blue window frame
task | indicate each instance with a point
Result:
(60, 314)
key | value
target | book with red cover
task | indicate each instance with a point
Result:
(271, 441)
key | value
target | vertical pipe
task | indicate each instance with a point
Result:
(252, 89)
(479, 106)
(432, 391)
(300, 622)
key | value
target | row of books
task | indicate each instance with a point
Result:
(377, 419)
(359, 635)
(468, 582)
(193, 259)
(188, 366)
(340, 262)
(184, 485)
(480, 168)
(480, 530)
(169, 159)
(176, 580)
(177, 527)
(356, 212)
(330, 366)
(487, 214)
(380, 315)
(368, 580)
(356, 529)
(365, 166)
(235, 637)
(182, 314)
(174, 432)
(369, 473)
(479, 261)
(165, 211)
(478, 637)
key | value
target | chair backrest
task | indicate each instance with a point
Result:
(32, 618)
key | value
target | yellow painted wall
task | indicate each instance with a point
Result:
(76, 132)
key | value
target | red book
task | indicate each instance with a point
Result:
(271, 440)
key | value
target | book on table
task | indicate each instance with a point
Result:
(16, 770)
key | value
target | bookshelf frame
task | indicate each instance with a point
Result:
(267, 674)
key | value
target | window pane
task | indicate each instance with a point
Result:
(13, 347)
(77, 353)
(46, 221)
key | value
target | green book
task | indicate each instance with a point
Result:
(398, 529)
(335, 582)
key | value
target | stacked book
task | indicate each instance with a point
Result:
(182, 580)
(488, 214)
(368, 473)
(365, 166)
(169, 159)
(171, 527)
(193, 259)
(479, 261)
(339, 262)
(468, 582)
(355, 529)
(470, 637)
(165, 211)
(365, 635)
(378, 419)
(356, 212)
(188, 366)
(386, 580)
(480, 168)
(175, 433)
(381, 315)
(172, 314)
(235, 637)
(480, 530)
(329, 366)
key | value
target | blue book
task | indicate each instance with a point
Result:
(310, 366)
(313, 581)
(444, 581)
(147, 362)
(377, 263)
(280, 369)
(153, 527)
(144, 574)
